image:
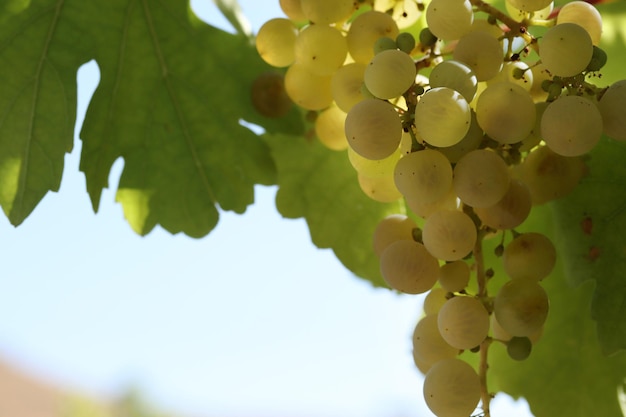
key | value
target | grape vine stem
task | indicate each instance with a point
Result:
(484, 346)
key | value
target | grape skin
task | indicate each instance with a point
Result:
(373, 129)
(521, 307)
(451, 388)
(390, 73)
(449, 235)
(442, 117)
(407, 266)
(449, 19)
(463, 322)
(566, 49)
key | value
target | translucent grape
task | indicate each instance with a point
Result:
(325, 12)
(424, 210)
(373, 129)
(391, 228)
(470, 141)
(449, 19)
(454, 276)
(550, 176)
(481, 52)
(611, 106)
(428, 344)
(571, 125)
(518, 348)
(449, 235)
(407, 266)
(321, 49)
(381, 189)
(455, 75)
(521, 307)
(424, 175)
(481, 178)
(309, 91)
(276, 42)
(293, 10)
(434, 300)
(510, 211)
(346, 85)
(463, 322)
(374, 168)
(565, 49)
(365, 30)
(451, 388)
(508, 73)
(529, 5)
(442, 117)
(519, 15)
(584, 15)
(529, 256)
(329, 127)
(506, 112)
(389, 74)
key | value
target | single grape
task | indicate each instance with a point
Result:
(454, 276)
(583, 14)
(442, 117)
(381, 189)
(598, 59)
(451, 388)
(373, 129)
(276, 42)
(325, 12)
(390, 74)
(529, 256)
(611, 106)
(321, 49)
(434, 300)
(329, 127)
(293, 10)
(405, 42)
(424, 175)
(449, 235)
(346, 85)
(455, 75)
(521, 307)
(391, 228)
(384, 44)
(308, 90)
(365, 30)
(518, 348)
(463, 322)
(407, 266)
(566, 49)
(428, 344)
(510, 211)
(481, 52)
(481, 178)
(449, 19)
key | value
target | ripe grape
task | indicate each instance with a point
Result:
(407, 266)
(373, 129)
(566, 49)
(571, 125)
(374, 168)
(434, 300)
(470, 142)
(321, 49)
(455, 75)
(583, 14)
(481, 52)
(516, 72)
(391, 228)
(275, 42)
(389, 74)
(521, 307)
(293, 9)
(381, 189)
(451, 388)
(329, 127)
(442, 117)
(611, 108)
(346, 85)
(454, 276)
(365, 30)
(529, 256)
(325, 12)
(449, 19)
(481, 178)
(424, 175)
(428, 344)
(309, 91)
(424, 210)
(510, 211)
(463, 322)
(449, 235)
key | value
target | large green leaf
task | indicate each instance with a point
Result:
(566, 373)
(40, 51)
(321, 186)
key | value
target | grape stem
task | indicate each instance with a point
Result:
(484, 346)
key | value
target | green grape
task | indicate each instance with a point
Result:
(309, 91)
(529, 5)
(449, 235)
(470, 141)
(571, 125)
(424, 175)
(506, 112)
(611, 108)
(529, 256)
(293, 10)
(407, 266)
(365, 30)
(598, 59)
(521, 307)
(454, 276)
(325, 12)
(427, 38)
(428, 344)
(381, 189)
(481, 178)
(463, 322)
(449, 19)
(406, 42)
(384, 44)
(481, 52)
(276, 42)
(510, 211)
(390, 74)
(434, 300)
(455, 75)
(321, 49)
(550, 176)
(518, 348)
(346, 85)
(442, 117)
(451, 388)
(329, 127)
(391, 228)
(584, 15)
(373, 129)
(566, 49)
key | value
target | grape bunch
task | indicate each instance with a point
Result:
(472, 115)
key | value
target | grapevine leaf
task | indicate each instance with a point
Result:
(40, 51)
(566, 373)
(171, 95)
(321, 186)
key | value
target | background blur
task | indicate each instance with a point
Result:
(252, 320)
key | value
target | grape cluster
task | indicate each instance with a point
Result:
(455, 107)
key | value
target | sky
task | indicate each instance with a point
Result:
(252, 320)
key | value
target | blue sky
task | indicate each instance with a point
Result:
(288, 331)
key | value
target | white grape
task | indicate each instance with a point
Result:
(611, 106)
(390, 73)
(391, 228)
(481, 52)
(566, 49)
(442, 117)
(308, 90)
(276, 42)
(407, 266)
(373, 129)
(463, 322)
(521, 307)
(365, 30)
(481, 178)
(346, 85)
(449, 235)
(583, 14)
(321, 49)
(424, 175)
(455, 75)
(529, 256)
(454, 276)
(451, 388)
(449, 19)
(428, 344)
(325, 12)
